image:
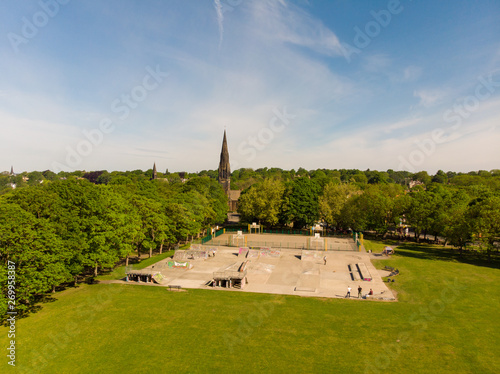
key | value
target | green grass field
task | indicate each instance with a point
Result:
(446, 321)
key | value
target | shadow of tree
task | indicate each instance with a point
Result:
(27, 310)
(440, 253)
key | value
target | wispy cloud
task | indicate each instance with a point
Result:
(411, 73)
(287, 23)
(376, 62)
(220, 20)
(430, 97)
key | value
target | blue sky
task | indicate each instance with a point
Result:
(120, 84)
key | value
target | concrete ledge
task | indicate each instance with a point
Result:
(304, 289)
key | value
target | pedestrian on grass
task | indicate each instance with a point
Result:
(348, 292)
(359, 292)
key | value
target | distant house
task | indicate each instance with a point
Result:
(414, 183)
(183, 176)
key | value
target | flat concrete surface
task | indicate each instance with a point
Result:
(289, 274)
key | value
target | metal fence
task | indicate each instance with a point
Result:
(349, 246)
(207, 238)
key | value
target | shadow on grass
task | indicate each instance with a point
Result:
(440, 253)
(85, 278)
(27, 310)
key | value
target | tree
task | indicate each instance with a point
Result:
(419, 207)
(359, 178)
(35, 177)
(333, 199)
(371, 210)
(422, 176)
(32, 245)
(217, 199)
(484, 216)
(50, 175)
(440, 177)
(304, 206)
(261, 202)
(455, 226)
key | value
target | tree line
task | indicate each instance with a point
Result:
(243, 178)
(458, 213)
(58, 231)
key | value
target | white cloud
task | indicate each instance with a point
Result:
(430, 97)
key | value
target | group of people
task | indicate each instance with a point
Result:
(360, 295)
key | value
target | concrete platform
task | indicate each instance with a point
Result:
(287, 274)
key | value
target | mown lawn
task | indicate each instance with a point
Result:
(445, 322)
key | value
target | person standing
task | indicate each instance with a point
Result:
(324, 259)
(348, 292)
(359, 292)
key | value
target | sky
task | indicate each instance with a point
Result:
(337, 84)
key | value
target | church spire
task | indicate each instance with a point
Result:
(154, 171)
(224, 168)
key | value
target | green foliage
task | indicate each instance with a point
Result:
(303, 202)
(333, 200)
(60, 230)
(422, 176)
(262, 202)
(371, 210)
(483, 216)
(37, 252)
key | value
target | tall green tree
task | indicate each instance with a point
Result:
(484, 216)
(303, 202)
(32, 245)
(333, 200)
(262, 202)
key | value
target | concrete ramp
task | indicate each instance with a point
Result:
(253, 253)
(271, 253)
(310, 255)
(308, 281)
(242, 253)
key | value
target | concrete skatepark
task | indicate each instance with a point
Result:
(288, 271)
